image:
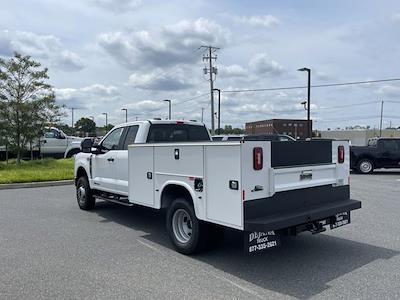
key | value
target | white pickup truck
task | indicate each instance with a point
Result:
(53, 143)
(264, 188)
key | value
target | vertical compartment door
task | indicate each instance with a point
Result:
(141, 175)
(224, 203)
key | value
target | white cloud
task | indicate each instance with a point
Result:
(389, 91)
(47, 47)
(88, 96)
(258, 20)
(160, 80)
(118, 6)
(173, 44)
(262, 64)
(232, 71)
(396, 17)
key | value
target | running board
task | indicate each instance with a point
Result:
(118, 201)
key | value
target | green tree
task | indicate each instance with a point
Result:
(86, 125)
(27, 101)
(229, 130)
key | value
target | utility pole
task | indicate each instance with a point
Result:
(72, 116)
(202, 114)
(211, 70)
(308, 100)
(219, 110)
(106, 119)
(169, 108)
(380, 127)
(126, 114)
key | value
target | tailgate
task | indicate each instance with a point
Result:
(301, 182)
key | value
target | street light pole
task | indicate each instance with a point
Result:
(106, 119)
(126, 114)
(169, 108)
(380, 126)
(309, 130)
(219, 110)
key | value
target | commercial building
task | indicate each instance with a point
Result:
(358, 137)
(293, 127)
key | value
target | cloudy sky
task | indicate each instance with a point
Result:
(104, 55)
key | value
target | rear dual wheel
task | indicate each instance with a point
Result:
(187, 233)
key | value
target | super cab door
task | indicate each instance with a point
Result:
(122, 159)
(104, 165)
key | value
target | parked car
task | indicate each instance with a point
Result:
(262, 188)
(379, 153)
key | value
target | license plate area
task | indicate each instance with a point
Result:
(341, 219)
(258, 241)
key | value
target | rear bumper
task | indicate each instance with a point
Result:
(297, 207)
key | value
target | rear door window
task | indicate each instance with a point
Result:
(165, 133)
(130, 136)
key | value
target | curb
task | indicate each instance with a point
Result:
(9, 186)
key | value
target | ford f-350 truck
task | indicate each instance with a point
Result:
(263, 188)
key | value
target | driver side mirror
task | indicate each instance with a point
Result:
(86, 145)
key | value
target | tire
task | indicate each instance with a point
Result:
(187, 233)
(84, 195)
(365, 166)
(72, 152)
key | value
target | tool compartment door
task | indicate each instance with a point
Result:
(222, 164)
(141, 174)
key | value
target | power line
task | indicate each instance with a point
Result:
(314, 86)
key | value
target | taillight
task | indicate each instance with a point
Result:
(340, 154)
(257, 158)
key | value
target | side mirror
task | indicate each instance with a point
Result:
(86, 145)
(61, 136)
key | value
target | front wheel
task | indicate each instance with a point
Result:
(365, 166)
(186, 232)
(84, 195)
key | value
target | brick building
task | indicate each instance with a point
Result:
(294, 128)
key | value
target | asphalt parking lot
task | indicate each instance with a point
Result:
(49, 249)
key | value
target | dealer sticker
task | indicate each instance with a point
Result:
(257, 241)
(341, 220)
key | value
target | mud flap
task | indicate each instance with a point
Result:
(258, 241)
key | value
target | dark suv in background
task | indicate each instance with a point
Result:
(379, 153)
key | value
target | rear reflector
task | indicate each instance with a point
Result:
(180, 122)
(340, 154)
(257, 158)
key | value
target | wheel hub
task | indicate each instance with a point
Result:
(81, 193)
(182, 226)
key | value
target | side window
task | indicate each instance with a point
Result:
(130, 136)
(51, 134)
(390, 145)
(111, 142)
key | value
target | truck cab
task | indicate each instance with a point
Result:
(110, 162)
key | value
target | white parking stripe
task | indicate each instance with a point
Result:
(151, 247)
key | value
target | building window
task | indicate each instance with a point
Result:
(290, 124)
(301, 125)
(284, 124)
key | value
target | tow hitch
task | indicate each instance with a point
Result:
(317, 227)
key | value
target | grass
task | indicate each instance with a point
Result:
(36, 170)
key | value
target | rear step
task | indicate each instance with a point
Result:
(119, 200)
